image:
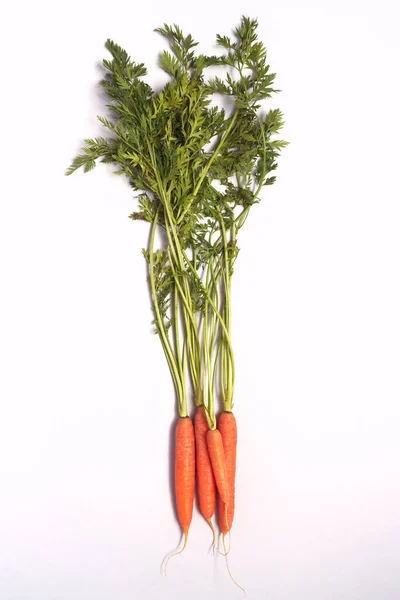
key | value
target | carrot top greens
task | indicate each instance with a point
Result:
(196, 169)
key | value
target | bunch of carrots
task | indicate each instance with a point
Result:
(197, 154)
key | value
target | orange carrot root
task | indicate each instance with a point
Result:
(228, 429)
(184, 477)
(184, 471)
(217, 457)
(205, 478)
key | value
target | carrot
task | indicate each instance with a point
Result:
(217, 457)
(227, 428)
(184, 472)
(184, 478)
(205, 476)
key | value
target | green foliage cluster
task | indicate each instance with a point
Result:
(196, 169)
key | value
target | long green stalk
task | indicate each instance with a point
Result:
(176, 372)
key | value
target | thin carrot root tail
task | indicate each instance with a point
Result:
(228, 569)
(185, 533)
(214, 544)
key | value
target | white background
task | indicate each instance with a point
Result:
(87, 404)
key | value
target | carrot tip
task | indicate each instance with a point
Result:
(185, 533)
(214, 542)
(223, 541)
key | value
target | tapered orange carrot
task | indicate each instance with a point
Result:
(205, 477)
(217, 457)
(227, 428)
(184, 472)
(184, 477)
